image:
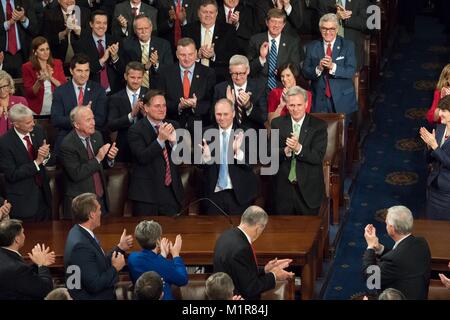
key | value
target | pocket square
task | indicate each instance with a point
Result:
(340, 58)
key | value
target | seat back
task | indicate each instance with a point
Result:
(55, 176)
(117, 185)
(49, 129)
(437, 291)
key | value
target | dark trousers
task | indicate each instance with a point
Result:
(225, 200)
(293, 203)
(43, 211)
(168, 206)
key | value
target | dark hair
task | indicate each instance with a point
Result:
(444, 103)
(151, 94)
(204, 3)
(275, 13)
(97, 13)
(35, 44)
(79, 58)
(291, 66)
(149, 286)
(9, 230)
(184, 42)
(134, 65)
(82, 205)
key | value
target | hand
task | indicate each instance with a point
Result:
(165, 131)
(4, 210)
(112, 153)
(138, 106)
(126, 241)
(154, 58)
(275, 263)
(102, 152)
(244, 99)
(164, 247)
(445, 281)
(288, 151)
(237, 297)
(206, 152)
(230, 94)
(122, 21)
(172, 14)
(117, 261)
(19, 15)
(105, 57)
(172, 134)
(281, 274)
(293, 143)
(370, 234)
(43, 152)
(41, 255)
(2, 57)
(114, 51)
(429, 138)
(176, 248)
(237, 142)
(280, 4)
(264, 50)
(326, 62)
(235, 18)
(182, 15)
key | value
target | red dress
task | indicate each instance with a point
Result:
(274, 100)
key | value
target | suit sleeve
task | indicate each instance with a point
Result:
(296, 15)
(58, 119)
(116, 121)
(204, 105)
(314, 152)
(310, 64)
(253, 57)
(33, 281)
(75, 169)
(143, 153)
(99, 108)
(390, 271)
(259, 111)
(358, 19)
(174, 271)
(8, 166)
(348, 69)
(442, 156)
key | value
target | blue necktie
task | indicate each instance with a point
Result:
(271, 77)
(223, 171)
(134, 99)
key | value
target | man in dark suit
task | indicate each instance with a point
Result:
(234, 255)
(97, 272)
(152, 51)
(216, 41)
(82, 157)
(126, 108)
(269, 50)
(23, 155)
(405, 267)
(78, 92)
(103, 52)
(299, 185)
(155, 183)
(330, 65)
(228, 178)
(18, 27)
(18, 279)
(124, 14)
(248, 95)
(352, 17)
(188, 87)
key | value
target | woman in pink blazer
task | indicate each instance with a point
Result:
(7, 100)
(41, 75)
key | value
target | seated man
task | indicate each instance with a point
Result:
(149, 286)
(153, 257)
(219, 286)
(18, 279)
(405, 267)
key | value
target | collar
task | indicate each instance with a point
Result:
(227, 130)
(76, 86)
(130, 93)
(191, 69)
(243, 87)
(154, 124)
(277, 39)
(89, 231)
(203, 29)
(21, 136)
(246, 235)
(138, 6)
(300, 122)
(145, 43)
(325, 44)
(96, 38)
(398, 242)
(18, 253)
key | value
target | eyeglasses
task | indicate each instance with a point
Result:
(6, 86)
(324, 30)
(238, 74)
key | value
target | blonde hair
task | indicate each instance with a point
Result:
(6, 76)
(444, 78)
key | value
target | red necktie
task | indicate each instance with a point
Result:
(327, 76)
(177, 26)
(12, 41)
(96, 176)
(254, 254)
(103, 74)
(230, 13)
(37, 177)
(3, 124)
(134, 11)
(186, 84)
(80, 96)
(167, 177)
(239, 108)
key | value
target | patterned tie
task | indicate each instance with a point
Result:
(103, 74)
(3, 124)
(206, 41)
(271, 77)
(134, 11)
(223, 170)
(186, 84)
(12, 40)
(96, 176)
(230, 13)
(80, 96)
(293, 172)
(144, 60)
(239, 109)
(30, 149)
(327, 75)
(177, 24)
(168, 176)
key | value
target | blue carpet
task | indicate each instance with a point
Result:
(393, 170)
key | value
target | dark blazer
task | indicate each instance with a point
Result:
(54, 23)
(65, 99)
(233, 255)
(132, 51)
(124, 9)
(77, 167)
(258, 99)
(147, 176)
(224, 40)
(21, 281)
(87, 45)
(406, 268)
(294, 21)
(202, 84)
(288, 51)
(98, 276)
(341, 84)
(440, 162)
(21, 188)
(119, 107)
(313, 138)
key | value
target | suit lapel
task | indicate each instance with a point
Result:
(87, 93)
(196, 80)
(92, 241)
(282, 49)
(337, 48)
(440, 131)
(19, 145)
(304, 130)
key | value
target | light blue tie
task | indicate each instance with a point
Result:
(223, 171)
(134, 99)
(271, 77)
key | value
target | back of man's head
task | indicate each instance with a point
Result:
(391, 294)
(82, 206)
(9, 230)
(58, 294)
(253, 216)
(401, 218)
(219, 286)
(149, 286)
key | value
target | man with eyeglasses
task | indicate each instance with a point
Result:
(248, 95)
(330, 64)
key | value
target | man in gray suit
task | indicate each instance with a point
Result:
(124, 14)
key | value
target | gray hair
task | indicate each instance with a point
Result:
(224, 101)
(19, 111)
(329, 17)
(295, 91)
(219, 286)
(139, 17)
(254, 215)
(401, 218)
(391, 294)
(147, 233)
(238, 59)
(74, 113)
(6, 76)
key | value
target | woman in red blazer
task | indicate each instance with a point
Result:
(289, 76)
(7, 100)
(41, 75)
(442, 90)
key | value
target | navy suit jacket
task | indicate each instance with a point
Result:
(98, 276)
(341, 83)
(440, 162)
(65, 99)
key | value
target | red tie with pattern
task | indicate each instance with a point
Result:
(12, 41)
(230, 13)
(327, 75)
(254, 254)
(177, 24)
(96, 176)
(80, 96)
(103, 74)
(37, 177)
(186, 84)
(167, 177)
